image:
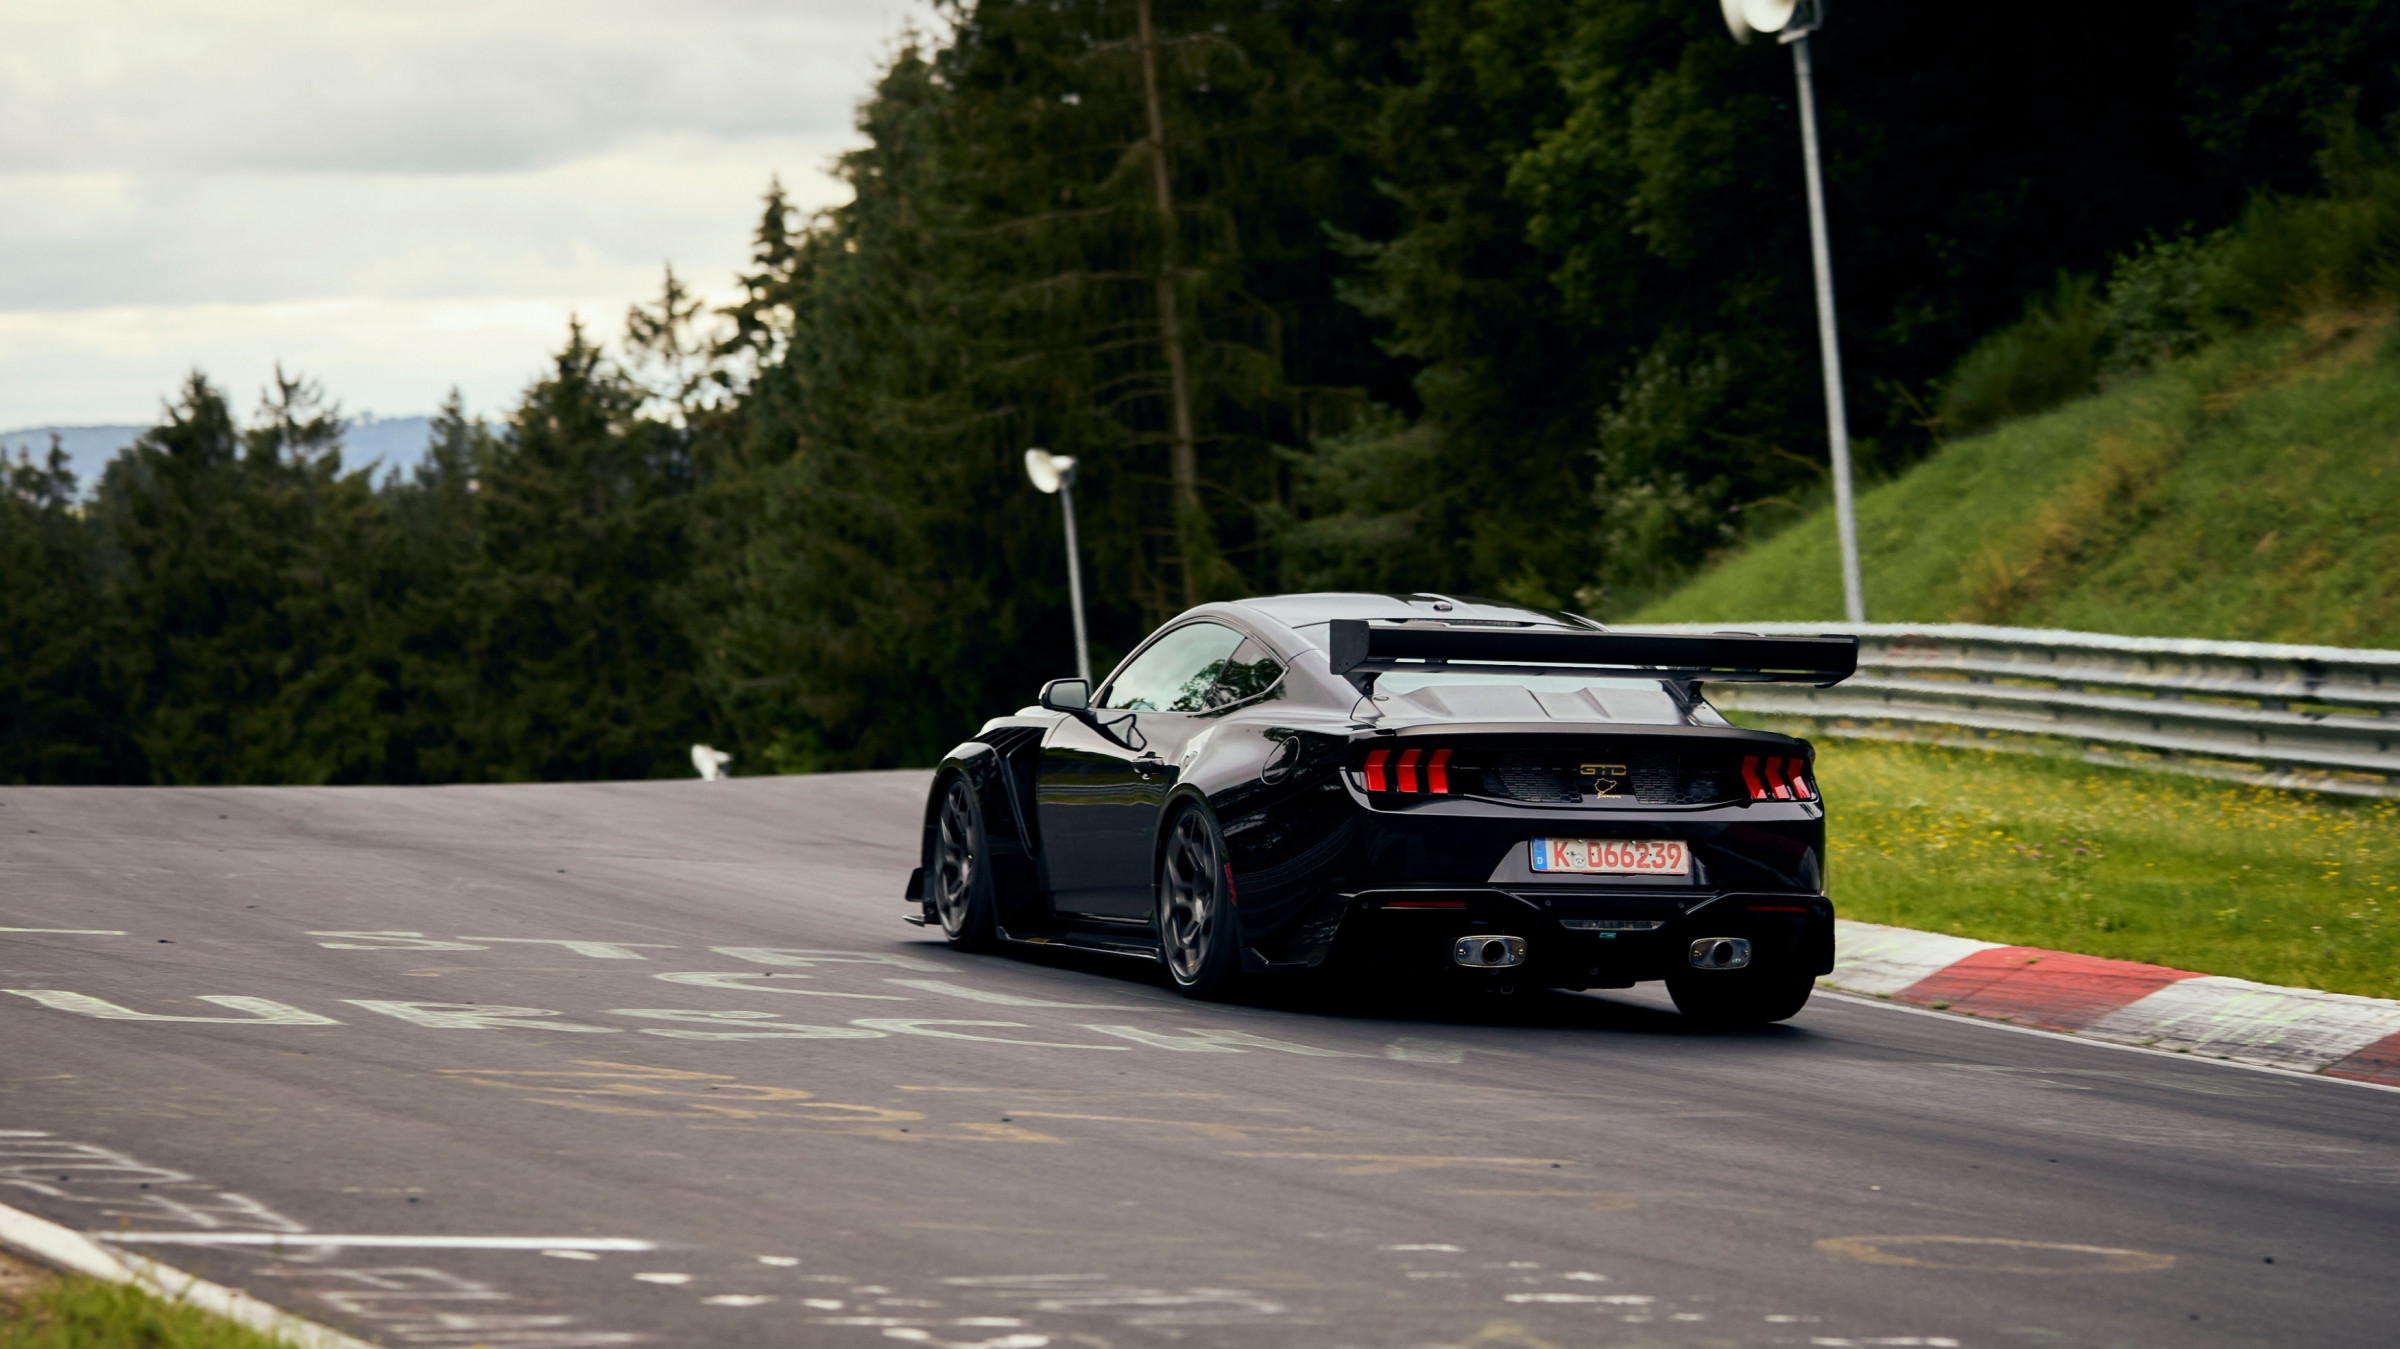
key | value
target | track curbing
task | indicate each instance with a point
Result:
(62, 1248)
(2123, 1001)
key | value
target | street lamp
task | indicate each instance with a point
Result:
(1056, 473)
(1794, 20)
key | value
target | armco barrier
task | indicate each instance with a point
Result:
(2322, 718)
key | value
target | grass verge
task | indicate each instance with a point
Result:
(2244, 492)
(39, 1310)
(2281, 887)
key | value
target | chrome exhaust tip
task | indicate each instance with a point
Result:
(1488, 953)
(1720, 953)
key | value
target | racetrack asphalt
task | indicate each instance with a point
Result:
(940, 1149)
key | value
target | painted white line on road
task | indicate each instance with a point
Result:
(262, 1011)
(391, 941)
(918, 1026)
(62, 1248)
(2179, 1056)
(425, 1243)
(785, 955)
(69, 931)
(733, 979)
(597, 950)
(1003, 999)
(1201, 1041)
(742, 1026)
(470, 1016)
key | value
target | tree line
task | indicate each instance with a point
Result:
(1502, 297)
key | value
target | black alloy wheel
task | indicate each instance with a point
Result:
(962, 873)
(1196, 926)
(1731, 999)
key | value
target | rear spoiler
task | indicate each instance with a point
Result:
(1356, 646)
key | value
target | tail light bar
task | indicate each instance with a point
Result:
(1409, 771)
(1775, 778)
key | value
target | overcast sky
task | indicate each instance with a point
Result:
(391, 198)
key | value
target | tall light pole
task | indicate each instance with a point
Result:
(1793, 21)
(1056, 473)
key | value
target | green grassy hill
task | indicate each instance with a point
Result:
(2250, 491)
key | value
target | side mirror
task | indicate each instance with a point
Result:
(1067, 695)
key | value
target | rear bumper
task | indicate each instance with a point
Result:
(1587, 938)
(1398, 887)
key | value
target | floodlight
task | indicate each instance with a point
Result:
(1049, 471)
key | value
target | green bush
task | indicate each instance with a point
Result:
(2173, 295)
(2040, 361)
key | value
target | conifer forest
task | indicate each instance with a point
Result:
(1494, 297)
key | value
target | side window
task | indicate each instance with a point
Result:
(1177, 672)
(1249, 672)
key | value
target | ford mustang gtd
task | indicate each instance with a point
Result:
(1424, 786)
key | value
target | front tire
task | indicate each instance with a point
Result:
(1195, 917)
(960, 879)
(1735, 999)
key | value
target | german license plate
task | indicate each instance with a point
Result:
(1613, 856)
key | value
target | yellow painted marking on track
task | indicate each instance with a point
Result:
(1503, 1335)
(1005, 1133)
(1392, 1164)
(1948, 1255)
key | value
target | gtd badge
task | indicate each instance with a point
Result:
(1604, 778)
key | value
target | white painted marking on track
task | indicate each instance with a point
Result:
(576, 1246)
(780, 1261)
(1003, 999)
(664, 1278)
(597, 950)
(1989, 1023)
(1198, 1040)
(471, 1016)
(736, 1300)
(733, 979)
(261, 1011)
(570, 1255)
(919, 1025)
(742, 1026)
(68, 931)
(785, 955)
(391, 941)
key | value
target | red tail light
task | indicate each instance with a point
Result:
(1776, 779)
(1414, 772)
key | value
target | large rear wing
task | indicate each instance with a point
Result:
(1356, 646)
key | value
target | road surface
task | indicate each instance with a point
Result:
(659, 1063)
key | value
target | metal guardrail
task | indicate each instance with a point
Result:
(2320, 718)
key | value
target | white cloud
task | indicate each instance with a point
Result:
(391, 198)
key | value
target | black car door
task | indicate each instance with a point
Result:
(1103, 780)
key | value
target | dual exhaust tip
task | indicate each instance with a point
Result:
(1481, 952)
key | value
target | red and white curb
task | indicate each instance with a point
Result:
(2123, 1001)
(62, 1248)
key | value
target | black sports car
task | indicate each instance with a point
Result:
(1417, 783)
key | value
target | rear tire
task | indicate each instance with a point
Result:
(1732, 999)
(959, 879)
(1195, 918)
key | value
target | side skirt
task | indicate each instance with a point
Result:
(1088, 939)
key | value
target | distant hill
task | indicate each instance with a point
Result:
(399, 442)
(2250, 492)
